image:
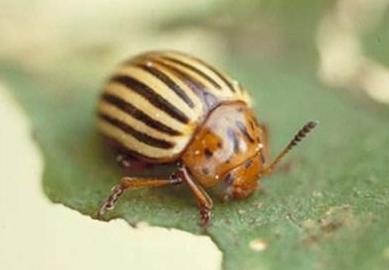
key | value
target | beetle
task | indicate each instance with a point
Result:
(167, 107)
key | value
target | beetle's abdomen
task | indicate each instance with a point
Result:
(153, 103)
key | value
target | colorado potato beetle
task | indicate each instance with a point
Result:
(168, 107)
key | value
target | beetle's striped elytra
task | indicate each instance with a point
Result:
(168, 107)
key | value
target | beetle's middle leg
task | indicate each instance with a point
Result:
(128, 183)
(203, 199)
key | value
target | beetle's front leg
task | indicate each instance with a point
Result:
(127, 183)
(204, 201)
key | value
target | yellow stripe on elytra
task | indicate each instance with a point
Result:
(208, 85)
(116, 113)
(223, 92)
(158, 87)
(198, 105)
(133, 144)
(138, 101)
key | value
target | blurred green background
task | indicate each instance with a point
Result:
(301, 60)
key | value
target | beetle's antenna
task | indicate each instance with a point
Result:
(296, 139)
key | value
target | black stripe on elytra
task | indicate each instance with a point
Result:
(139, 115)
(214, 70)
(150, 95)
(169, 82)
(243, 129)
(196, 86)
(120, 148)
(232, 136)
(142, 137)
(193, 84)
(194, 69)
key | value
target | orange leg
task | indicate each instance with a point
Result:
(127, 183)
(204, 201)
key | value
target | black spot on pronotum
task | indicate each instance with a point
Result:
(244, 131)
(248, 163)
(205, 171)
(208, 153)
(232, 136)
(229, 180)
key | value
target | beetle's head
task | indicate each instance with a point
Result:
(241, 181)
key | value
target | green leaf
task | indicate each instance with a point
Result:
(328, 209)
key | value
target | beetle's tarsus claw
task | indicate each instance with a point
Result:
(205, 217)
(110, 202)
(101, 213)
